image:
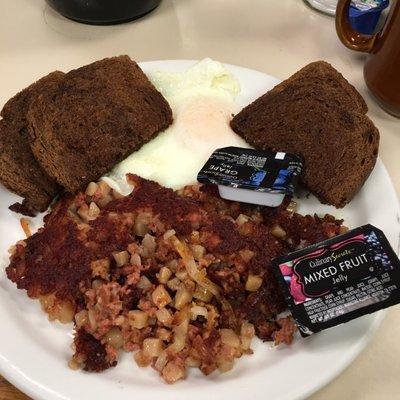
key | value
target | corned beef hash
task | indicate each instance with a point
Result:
(181, 279)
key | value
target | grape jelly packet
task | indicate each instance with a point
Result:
(340, 279)
(252, 176)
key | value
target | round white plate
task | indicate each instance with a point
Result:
(34, 352)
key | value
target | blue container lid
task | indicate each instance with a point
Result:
(364, 14)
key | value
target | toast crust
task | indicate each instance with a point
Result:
(19, 170)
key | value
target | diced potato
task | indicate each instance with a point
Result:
(198, 251)
(135, 259)
(182, 274)
(149, 243)
(292, 207)
(229, 337)
(73, 365)
(246, 255)
(141, 359)
(168, 234)
(94, 211)
(164, 316)
(182, 297)
(278, 231)
(257, 217)
(172, 265)
(144, 283)
(164, 334)
(202, 294)
(91, 189)
(253, 283)
(63, 311)
(132, 248)
(247, 329)
(119, 320)
(164, 275)
(97, 283)
(152, 347)
(138, 319)
(173, 372)
(161, 361)
(225, 366)
(114, 337)
(83, 212)
(140, 227)
(247, 333)
(160, 296)
(121, 258)
(241, 219)
(174, 284)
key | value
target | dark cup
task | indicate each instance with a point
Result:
(103, 12)
(382, 67)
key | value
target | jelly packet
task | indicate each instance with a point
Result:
(364, 14)
(252, 176)
(340, 279)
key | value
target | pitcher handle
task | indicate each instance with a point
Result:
(348, 36)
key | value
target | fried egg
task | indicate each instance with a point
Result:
(202, 100)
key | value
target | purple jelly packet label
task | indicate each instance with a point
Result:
(340, 279)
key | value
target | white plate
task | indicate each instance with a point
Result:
(34, 353)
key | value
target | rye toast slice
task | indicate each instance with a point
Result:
(320, 81)
(319, 116)
(97, 115)
(19, 170)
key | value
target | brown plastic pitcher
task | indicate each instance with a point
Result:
(382, 68)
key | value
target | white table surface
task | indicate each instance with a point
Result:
(276, 37)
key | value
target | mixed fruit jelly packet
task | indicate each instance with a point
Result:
(340, 279)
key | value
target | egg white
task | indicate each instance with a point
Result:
(202, 100)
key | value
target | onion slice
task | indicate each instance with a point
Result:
(200, 277)
(191, 267)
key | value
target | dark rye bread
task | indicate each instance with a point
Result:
(97, 115)
(317, 114)
(321, 81)
(19, 170)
